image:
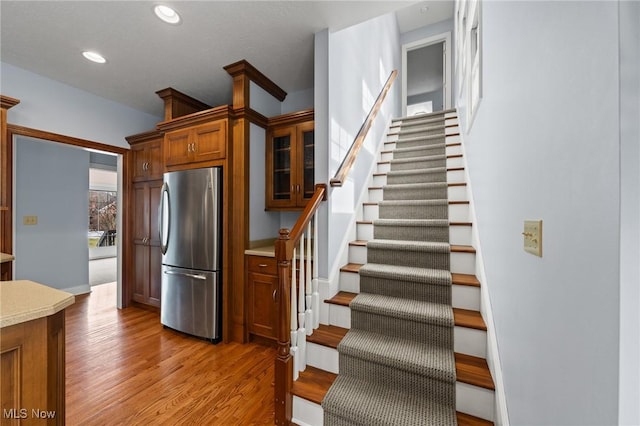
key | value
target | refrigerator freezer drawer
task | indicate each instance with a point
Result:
(190, 302)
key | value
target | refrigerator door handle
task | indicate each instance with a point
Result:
(186, 274)
(164, 222)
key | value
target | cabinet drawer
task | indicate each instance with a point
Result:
(263, 265)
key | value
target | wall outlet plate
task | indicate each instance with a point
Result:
(533, 237)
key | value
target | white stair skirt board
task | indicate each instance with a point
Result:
(306, 413)
(457, 213)
(322, 357)
(476, 401)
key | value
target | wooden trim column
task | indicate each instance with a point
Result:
(6, 187)
(242, 73)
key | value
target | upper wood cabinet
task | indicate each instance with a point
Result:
(196, 144)
(290, 162)
(146, 156)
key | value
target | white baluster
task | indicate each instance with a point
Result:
(309, 311)
(302, 339)
(294, 319)
(315, 294)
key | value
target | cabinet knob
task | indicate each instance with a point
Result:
(262, 265)
(275, 293)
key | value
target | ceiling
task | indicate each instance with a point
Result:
(145, 55)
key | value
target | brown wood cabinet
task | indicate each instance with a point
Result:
(147, 160)
(146, 165)
(147, 255)
(262, 283)
(33, 372)
(196, 144)
(290, 162)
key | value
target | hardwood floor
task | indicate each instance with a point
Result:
(124, 368)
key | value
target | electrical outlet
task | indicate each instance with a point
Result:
(533, 237)
(29, 220)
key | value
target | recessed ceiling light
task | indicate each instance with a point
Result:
(424, 9)
(167, 14)
(94, 57)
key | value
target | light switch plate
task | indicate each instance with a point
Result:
(29, 220)
(533, 237)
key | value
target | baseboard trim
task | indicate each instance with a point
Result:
(81, 289)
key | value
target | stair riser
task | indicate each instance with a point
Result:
(306, 413)
(466, 340)
(460, 263)
(463, 297)
(322, 357)
(387, 156)
(453, 176)
(455, 193)
(358, 254)
(449, 150)
(458, 235)
(457, 213)
(450, 164)
(476, 401)
(399, 126)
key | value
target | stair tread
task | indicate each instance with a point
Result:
(469, 420)
(461, 317)
(456, 279)
(351, 267)
(469, 319)
(474, 371)
(313, 384)
(358, 243)
(417, 185)
(418, 311)
(377, 203)
(462, 249)
(327, 335)
(342, 298)
(416, 171)
(465, 279)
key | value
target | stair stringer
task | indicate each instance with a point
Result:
(492, 352)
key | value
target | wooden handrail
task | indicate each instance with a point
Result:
(350, 158)
(284, 246)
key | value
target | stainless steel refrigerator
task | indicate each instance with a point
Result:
(191, 240)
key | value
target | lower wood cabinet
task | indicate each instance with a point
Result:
(33, 372)
(262, 283)
(146, 253)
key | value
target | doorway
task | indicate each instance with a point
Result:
(49, 236)
(426, 80)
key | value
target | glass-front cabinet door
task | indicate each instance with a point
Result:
(290, 163)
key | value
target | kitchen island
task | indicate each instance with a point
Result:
(32, 347)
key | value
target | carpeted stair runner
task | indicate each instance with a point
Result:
(396, 362)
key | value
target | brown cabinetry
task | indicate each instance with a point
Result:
(201, 143)
(262, 282)
(290, 162)
(147, 160)
(147, 256)
(144, 198)
(33, 368)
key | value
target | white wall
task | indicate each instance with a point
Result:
(55, 107)
(360, 59)
(544, 145)
(298, 101)
(630, 213)
(262, 224)
(55, 251)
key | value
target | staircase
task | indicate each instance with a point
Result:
(405, 329)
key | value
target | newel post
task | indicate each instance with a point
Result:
(284, 361)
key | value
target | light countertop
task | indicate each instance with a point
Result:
(22, 301)
(266, 251)
(4, 257)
